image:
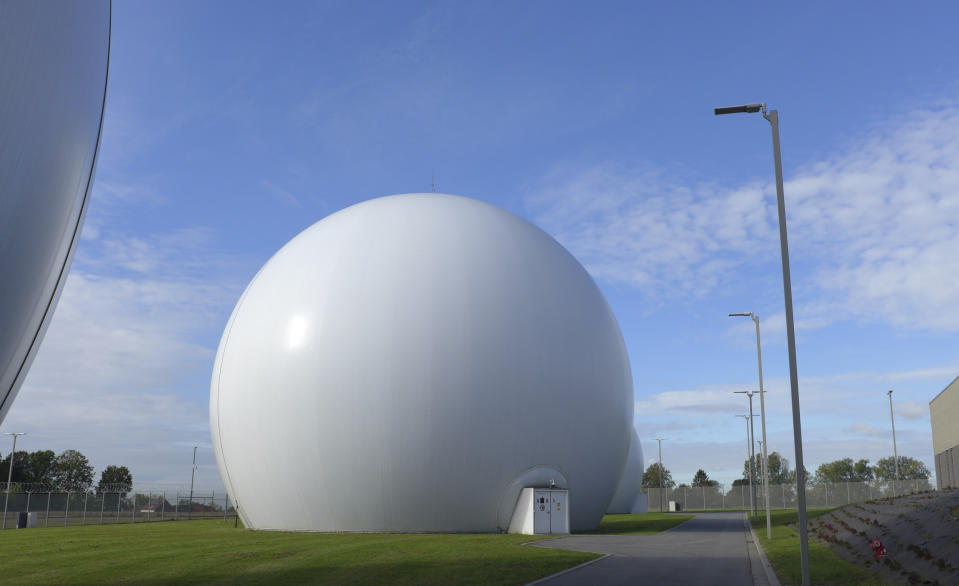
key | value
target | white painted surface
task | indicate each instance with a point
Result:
(522, 521)
(401, 364)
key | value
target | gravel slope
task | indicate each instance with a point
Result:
(920, 532)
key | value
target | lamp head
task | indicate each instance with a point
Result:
(742, 109)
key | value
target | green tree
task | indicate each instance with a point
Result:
(40, 466)
(31, 467)
(863, 472)
(779, 471)
(836, 471)
(652, 475)
(115, 479)
(72, 472)
(909, 469)
(702, 479)
(20, 463)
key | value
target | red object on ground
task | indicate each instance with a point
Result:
(878, 548)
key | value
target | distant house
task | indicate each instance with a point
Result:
(944, 417)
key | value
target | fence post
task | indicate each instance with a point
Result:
(118, 508)
(163, 505)
(226, 505)
(103, 499)
(684, 499)
(133, 518)
(176, 507)
(46, 519)
(86, 496)
(703, 488)
(66, 514)
(848, 500)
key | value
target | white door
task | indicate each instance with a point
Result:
(541, 510)
(559, 515)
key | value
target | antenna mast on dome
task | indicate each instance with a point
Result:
(433, 181)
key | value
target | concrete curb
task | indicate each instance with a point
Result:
(770, 574)
(568, 570)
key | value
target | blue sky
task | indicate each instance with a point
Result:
(230, 127)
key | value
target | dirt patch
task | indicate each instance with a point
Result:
(919, 531)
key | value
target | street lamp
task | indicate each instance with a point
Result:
(660, 440)
(749, 458)
(772, 116)
(762, 413)
(13, 454)
(895, 452)
(189, 514)
(752, 459)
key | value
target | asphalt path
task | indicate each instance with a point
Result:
(711, 548)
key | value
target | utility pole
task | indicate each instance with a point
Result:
(660, 440)
(762, 413)
(13, 454)
(189, 514)
(895, 452)
(749, 441)
(752, 451)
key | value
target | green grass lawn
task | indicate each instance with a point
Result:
(215, 552)
(644, 524)
(825, 567)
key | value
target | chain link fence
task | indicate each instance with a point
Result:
(781, 496)
(40, 505)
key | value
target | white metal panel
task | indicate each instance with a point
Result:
(390, 363)
(559, 512)
(541, 510)
(53, 74)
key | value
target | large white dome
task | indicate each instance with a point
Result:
(409, 364)
(629, 496)
(54, 58)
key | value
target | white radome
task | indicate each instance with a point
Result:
(629, 497)
(411, 363)
(54, 58)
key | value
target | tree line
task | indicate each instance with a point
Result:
(70, 471)
(843, 470)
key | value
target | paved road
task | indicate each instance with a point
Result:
(712, 548)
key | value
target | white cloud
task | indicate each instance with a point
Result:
(878, 223)
(910, 409)
(120, 374)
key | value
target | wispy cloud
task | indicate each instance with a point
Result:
(280, 194)
(878, 223)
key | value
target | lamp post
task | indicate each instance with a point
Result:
(13, 454)
(895, 452)
(772, 116)
(189, 514)
(752, 450)
(660, 440)
(749, 458)
(762, 419)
